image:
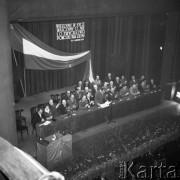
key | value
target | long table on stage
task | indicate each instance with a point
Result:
(84, 119)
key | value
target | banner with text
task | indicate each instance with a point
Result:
(72, 31)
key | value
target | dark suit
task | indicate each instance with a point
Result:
(99, 98)
(132, 82)
(36, 119)
(63, 109)
(117, 84)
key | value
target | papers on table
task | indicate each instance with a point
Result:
(45, 123)
(106, 104)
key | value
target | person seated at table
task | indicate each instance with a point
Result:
(124, 92)
(108, 78)
(111, 85)
(78, 94)
(106, 88)
(143, 87)
(123, 81)
(73, 105)
(152, 85)
(67, 95)
(111, 95)
(86, 91)
(38, 117)
(87, 84)
(64, 107)
(133, 81)
(47, 113)
(83, 104)
(80, 85)
(94, 90)
(97, 81)
(134, 90)
(100, 97)
(141, 79)
(54, 108)
(117, 83)
(90, 99)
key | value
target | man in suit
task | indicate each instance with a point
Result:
(78, 94)
(99, 97)
(133, 81)
(134, 90)
(97, 81)
(38, 117)
(73, 105)
(67, 95)
(90, 99)
(123, 81)
(123, 92)
(117, 83)
(63, 108)
(152, 85)
(108, 78)
(83, 104)
(54, 108)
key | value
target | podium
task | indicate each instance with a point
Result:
(54, 149)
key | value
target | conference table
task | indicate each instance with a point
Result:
(84, 119)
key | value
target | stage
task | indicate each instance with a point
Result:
(29, 143)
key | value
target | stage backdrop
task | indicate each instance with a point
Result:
(119, 44)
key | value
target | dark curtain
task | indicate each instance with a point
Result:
(127, 45)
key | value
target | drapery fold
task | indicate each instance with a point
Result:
(40, 56)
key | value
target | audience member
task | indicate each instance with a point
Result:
(80, 85)
(110, 96)
(94, 90)
(87, 84)
(106, 87)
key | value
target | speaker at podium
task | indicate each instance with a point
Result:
(54, 149)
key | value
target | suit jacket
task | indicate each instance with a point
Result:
(107, 79)
(82, 104)
(37, 119)
(63, 109)
(71, 103)
(78, 96)
(99, 98)
(132, 82)
(117, 84)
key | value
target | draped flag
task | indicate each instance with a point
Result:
(40, 56)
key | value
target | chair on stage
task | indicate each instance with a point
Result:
(33, 110)
(21, 128)
(20, 117)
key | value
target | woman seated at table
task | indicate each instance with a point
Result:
(90, 99)
(64, 108)
(83, 104)
(47, 113)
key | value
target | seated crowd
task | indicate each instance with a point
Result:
(89, 94)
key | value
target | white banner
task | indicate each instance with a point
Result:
(72, 31)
